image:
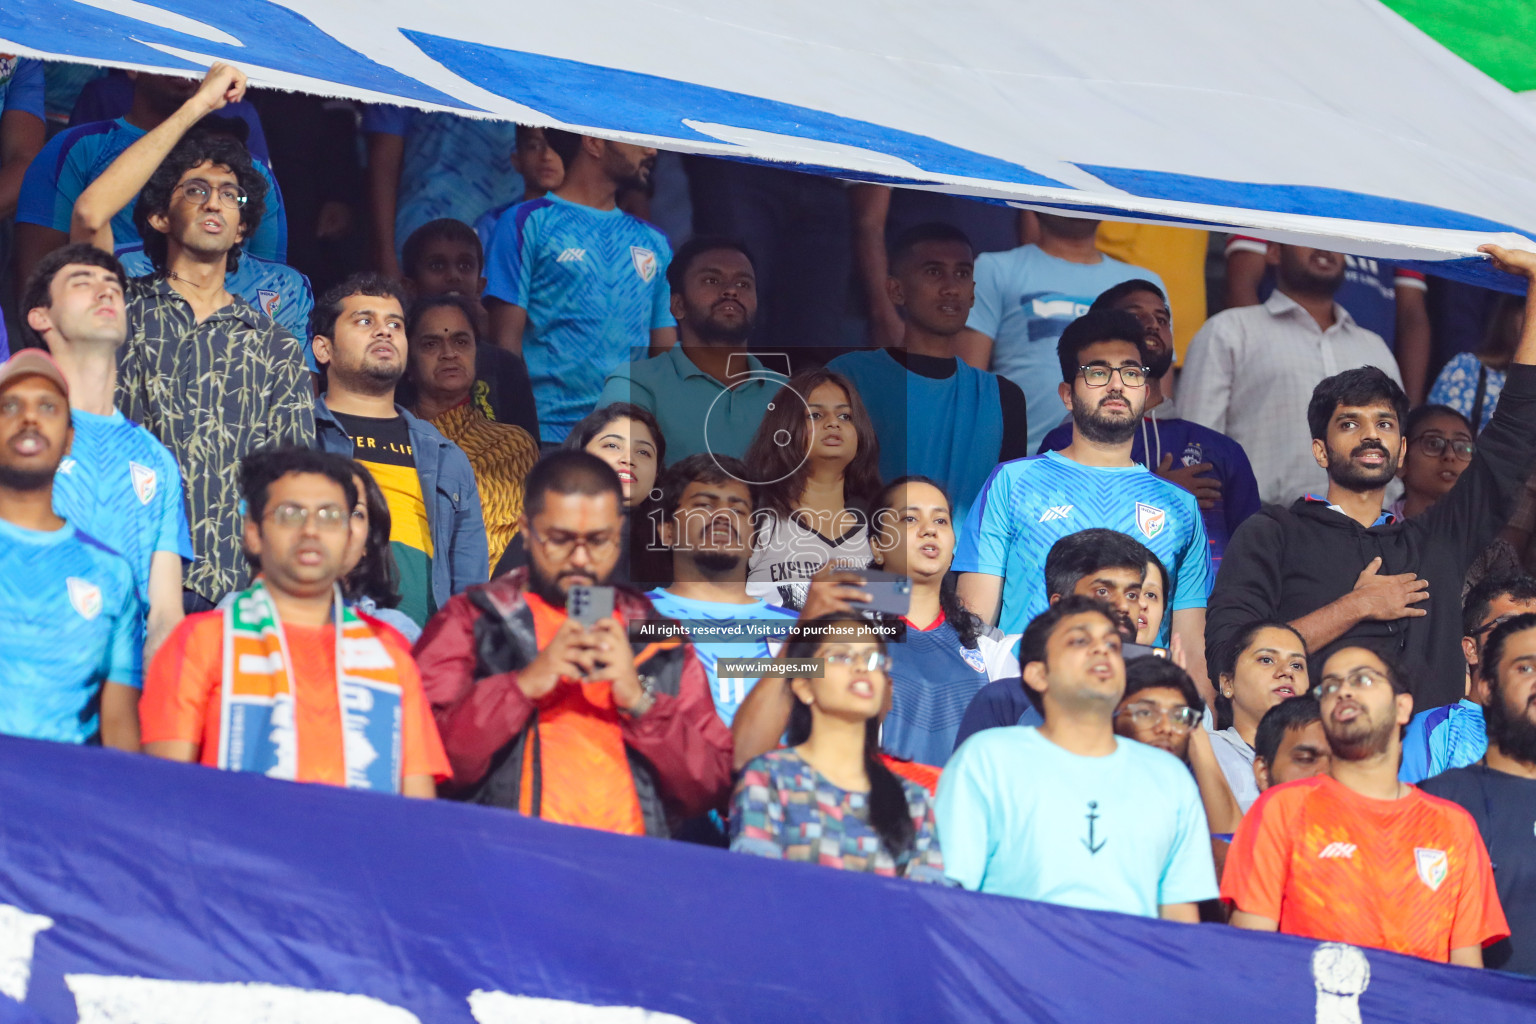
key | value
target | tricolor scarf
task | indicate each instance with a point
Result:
(257, 731)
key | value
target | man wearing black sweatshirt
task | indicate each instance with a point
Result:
(1340, 569)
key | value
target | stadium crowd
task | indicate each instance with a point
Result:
(526, 509)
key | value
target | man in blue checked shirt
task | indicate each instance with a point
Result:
(574, 284)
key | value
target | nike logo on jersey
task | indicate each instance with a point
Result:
(1055, 512)
(144, 481)
(1346, 850)
(571, 256)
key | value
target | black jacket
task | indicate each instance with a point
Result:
(1286, 563)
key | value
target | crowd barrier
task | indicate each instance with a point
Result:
(135, 891)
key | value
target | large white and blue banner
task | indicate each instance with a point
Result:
(135, 891)
(1332, 121)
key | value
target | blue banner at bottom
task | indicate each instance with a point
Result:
(135, 891)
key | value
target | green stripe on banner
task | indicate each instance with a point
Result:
(1498, 37)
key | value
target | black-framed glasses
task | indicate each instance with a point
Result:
(1434, 446)
(196, 191)
(1362, 678)
(1098, 376)
(1145, 715)
(1491, 625)
(560, 544)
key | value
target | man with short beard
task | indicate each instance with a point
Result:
(1209, 465)
(574, 284)
(436, 528)
(1028, 504)
(1500, 790)
(1355, 855)
(707, 392)
(1339, 568)
(69, 606)
(583, 725)
(1250, 370)
(708, 511)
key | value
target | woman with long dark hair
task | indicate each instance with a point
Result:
(628, 438)
(947, 654)
(1264, 664)
(373, 582)
(817, 462)
(827, 798)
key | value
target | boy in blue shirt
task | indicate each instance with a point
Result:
(574, 284)
(69, 610)
(117, 484)
(1028, 504)
(1066, 812)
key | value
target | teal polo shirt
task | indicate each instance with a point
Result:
(684, 398)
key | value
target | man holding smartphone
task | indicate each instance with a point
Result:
(546, 704)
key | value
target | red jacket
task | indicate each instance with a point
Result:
(469, 656)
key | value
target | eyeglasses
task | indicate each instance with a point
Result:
(865, 661)
(563, 545)
(1098, 376)
(1491, 625)
(1146, 716)
(196, 192)
(1359, 679)
(329, 518)
(1434, 446)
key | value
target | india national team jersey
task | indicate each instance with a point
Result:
(737, 641)
(1029, 504)
(276, 289)
(1408, 875)
(70, 619)
(1025, 298)
(453, 166)
(74, 158)
(594, 283)
(121, 486)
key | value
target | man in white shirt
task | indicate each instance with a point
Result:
(1250, 371)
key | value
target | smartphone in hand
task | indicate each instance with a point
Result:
(889, 592)
(589, 605)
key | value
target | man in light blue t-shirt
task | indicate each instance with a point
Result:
(1067, 812)
(574, 284)
(1026, 297)
(708, 527)
(1028, 504)
(118, 484)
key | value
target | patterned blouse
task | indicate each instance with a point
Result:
(501, 455)
(784, 809)
(1457, 387)
(211, 392)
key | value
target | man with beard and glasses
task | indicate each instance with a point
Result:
(1249, 371)
(1028, 504)
(937, 416)
(1453, 735)
(69, 607)
(581, 725)
(1340, 569)
(707, 525)
(1500, 790)
(436, 529)
(1209, 465)
(707, 392)
(574, 284)
(1356, 856)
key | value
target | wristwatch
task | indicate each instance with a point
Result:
(647, 698)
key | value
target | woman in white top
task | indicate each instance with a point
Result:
(1264, 664)
(817, 462)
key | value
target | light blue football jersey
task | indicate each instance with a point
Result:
(728, 693)
(1029, 504)
(594, 283)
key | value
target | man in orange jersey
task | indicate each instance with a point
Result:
(1357, 856)
(290, 680)
(579, 724)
